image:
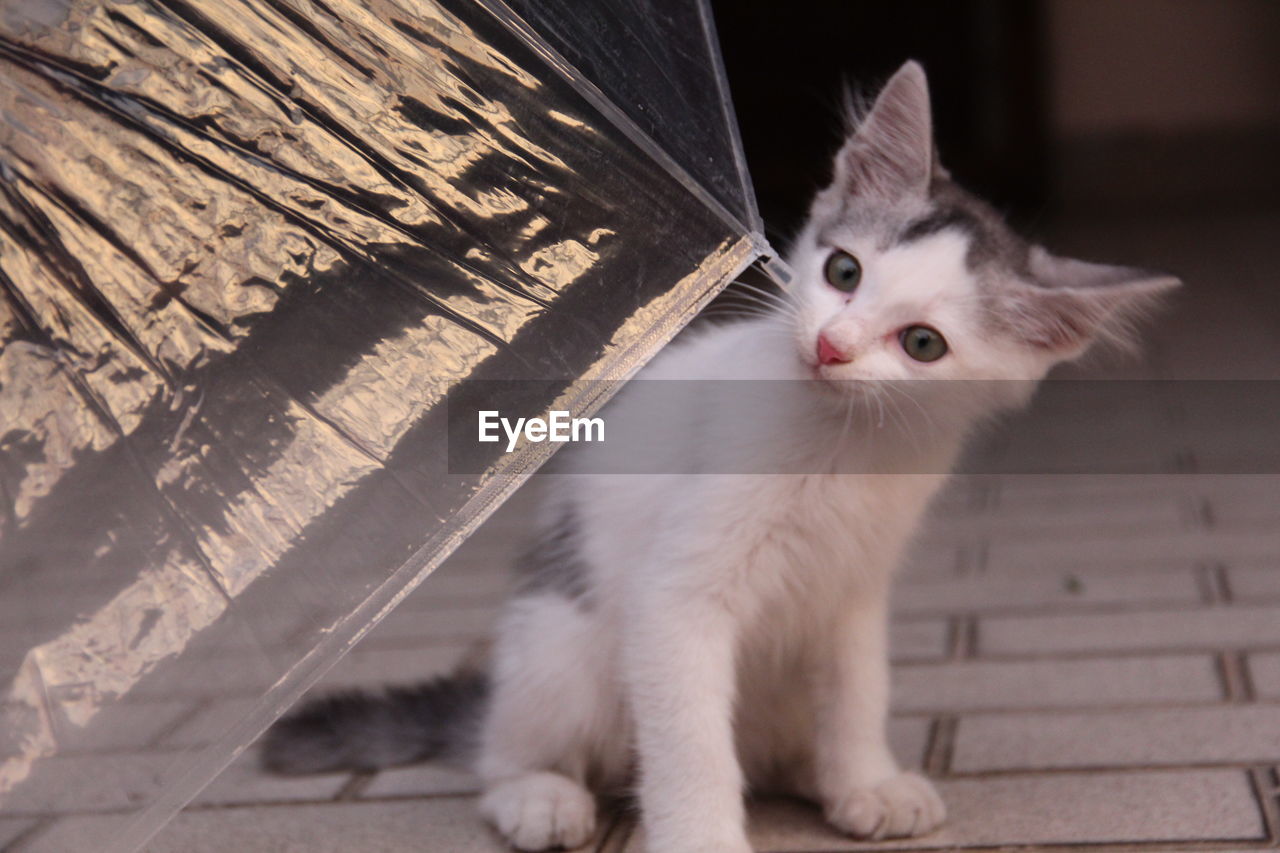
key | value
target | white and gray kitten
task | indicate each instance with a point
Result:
(691, 636)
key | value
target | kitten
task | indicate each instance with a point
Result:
(693, 636)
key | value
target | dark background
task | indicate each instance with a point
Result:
(1043, 106)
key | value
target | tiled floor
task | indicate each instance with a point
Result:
(1081, 659)
(1069, 699)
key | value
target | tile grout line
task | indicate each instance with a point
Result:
(1206, 584)
(961, 633)
(1248, 689)
(941, 745)
(1222, 579)
(354, 786)
(1230, 667)
(1263, 782)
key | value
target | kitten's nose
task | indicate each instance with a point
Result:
(829, 353)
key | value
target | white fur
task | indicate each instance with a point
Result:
(736, 632)
(737, 628)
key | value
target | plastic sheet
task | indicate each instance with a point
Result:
(246, 252)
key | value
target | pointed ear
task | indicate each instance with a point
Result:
(1073, 304)
(890, 153)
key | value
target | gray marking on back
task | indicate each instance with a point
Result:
(554, 562)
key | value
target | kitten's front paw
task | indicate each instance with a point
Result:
(541, 811)
(902, 806)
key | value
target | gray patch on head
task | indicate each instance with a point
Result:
(554, 562)
(991, 242)
(935, 221)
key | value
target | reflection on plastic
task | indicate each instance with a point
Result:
(246, 252)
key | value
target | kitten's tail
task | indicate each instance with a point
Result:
(360, 730)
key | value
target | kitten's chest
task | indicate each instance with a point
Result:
(839, 524)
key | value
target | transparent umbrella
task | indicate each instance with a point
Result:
(248, 250)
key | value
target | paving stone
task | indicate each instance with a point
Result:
(1237, 498)
(909, 738)
(210, 722)
(1054, 493)
(1265, 671)
(447, 587)
(91, 782)
(935, 560)
(131, 725)
(973, 685)
(11, 828)
(389, 826)
(1110, 520)
(1059, 589)
(1037, 448)
(1254, 579)
(1084, 550)
(1147, 806)
(421, 780)
(921, 639)
(245, 782)
(73, 833)
(377, 667)
(1225, 734)
(1204, 628)
(418, 627)
(229, 673)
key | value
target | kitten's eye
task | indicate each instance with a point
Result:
(843, 271)
(923, 343)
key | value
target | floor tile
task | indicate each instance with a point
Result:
(420, 780)
(924, 639)
(416, 628)
(1204, 628)
(1050, 809)
(1226, 734)
(909, 739)
(91, 782)
(1058, 589)
(1078, 550)
(11, 828)
(1265, 672)
(376, 667)
(973, 685)
(245, 782)
(1254, 579)
(445, 824)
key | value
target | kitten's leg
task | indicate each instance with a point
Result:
(679, 669)
(548, 702)
(863, 791)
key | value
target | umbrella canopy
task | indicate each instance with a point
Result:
(248, 253)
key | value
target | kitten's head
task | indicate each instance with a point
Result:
(901, 275)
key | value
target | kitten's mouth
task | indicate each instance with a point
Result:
(825, 380)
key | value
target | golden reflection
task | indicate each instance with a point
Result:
(187, 195)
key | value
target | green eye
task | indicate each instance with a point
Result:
(843, 271)
(923, 343)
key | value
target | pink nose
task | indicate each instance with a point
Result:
(828, 353)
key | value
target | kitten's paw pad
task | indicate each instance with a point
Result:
(902, 806)
(541, 811)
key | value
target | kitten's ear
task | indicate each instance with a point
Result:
(890, 153)
(1075, 303)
